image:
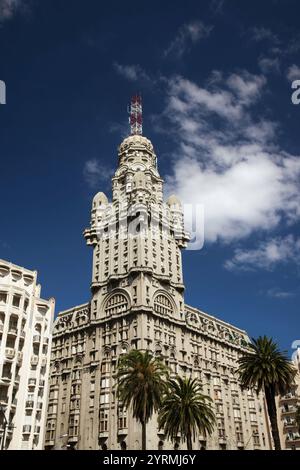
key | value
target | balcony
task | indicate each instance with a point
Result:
(123, 432)
(6, 377)
(12, 331)
(34, 360)
(289, 409)
(44, 361)
(291, 423)
(293, 438)
(20, 356)
(37, 429)
(27, 429)
(289, 397)
(40, 405)
(29, 404)
(14, 402)
(41, 383)
(31, 382)
(10, 353)
(36, 339)
(17, 379)
(22, 334)
(3, 401)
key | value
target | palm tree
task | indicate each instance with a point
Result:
(186, 410)
(142, 381)
(267, 368)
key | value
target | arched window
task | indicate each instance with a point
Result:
(118, 303)
(162, 305)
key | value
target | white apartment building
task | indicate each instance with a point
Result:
(25, 342)
(288, 406)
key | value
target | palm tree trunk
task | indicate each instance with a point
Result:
(143, 435)
(271, 404)
(189, 441)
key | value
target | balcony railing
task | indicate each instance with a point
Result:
(31, 382)
(291, 422)
(295, 437)
(44, 361)
(3, 400)
(22, 334)
(6, 376)
(17, 378)
(29, 404)
(12, 330)
(289, 409)
(27, 429)
(36, 339)
(41, 383)
(20, 356)
(10, 353)
(37, 429)
(34, 360)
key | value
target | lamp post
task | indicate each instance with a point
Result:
(5, 423)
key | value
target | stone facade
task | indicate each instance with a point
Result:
(138, 302)
(25, 345)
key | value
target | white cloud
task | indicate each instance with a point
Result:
(188, 34)
(94, 172)
(293, 73)
(277, 293)
(8, 8)
(262, 34)
(132, 73)
(269, 64)
(227, 158)
(267, 255)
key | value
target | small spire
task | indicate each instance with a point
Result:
(136, 115)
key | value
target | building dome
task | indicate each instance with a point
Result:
(100, 200)
(173, 201)
(136, 142)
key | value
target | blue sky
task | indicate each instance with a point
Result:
(216, 83)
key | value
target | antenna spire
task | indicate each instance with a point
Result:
(136, 115)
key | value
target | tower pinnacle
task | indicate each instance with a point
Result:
(136, 116)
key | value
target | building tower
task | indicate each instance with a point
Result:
(136, 239)
(25, 345)
(137, 302)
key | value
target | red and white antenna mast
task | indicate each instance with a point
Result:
(136, 115)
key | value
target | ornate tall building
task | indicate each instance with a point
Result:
(137, 302)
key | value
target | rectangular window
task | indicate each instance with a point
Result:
(103, 421)
(3, 297)
(104, 383)
(104, 398)
(16, 301)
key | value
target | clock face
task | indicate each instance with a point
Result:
(138, 167)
